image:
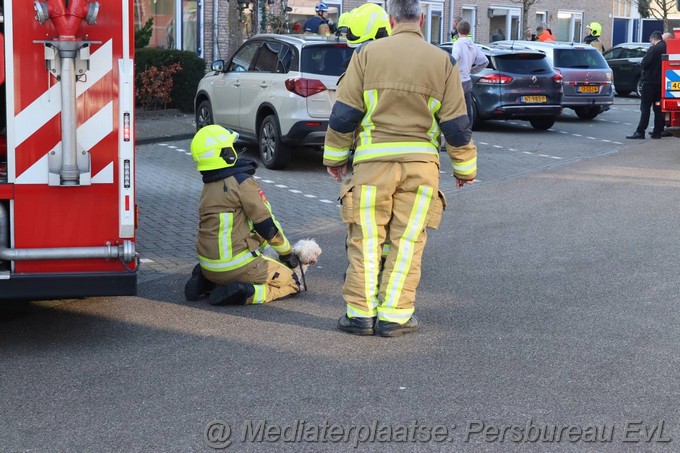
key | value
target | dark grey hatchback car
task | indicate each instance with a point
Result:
(518, 83)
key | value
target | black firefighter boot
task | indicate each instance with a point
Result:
(197, 285)
(234, 293)
(393, 329)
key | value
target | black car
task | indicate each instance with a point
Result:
(518, 83)
(624, 59)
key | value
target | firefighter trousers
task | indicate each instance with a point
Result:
(272, 280)
(387, 203)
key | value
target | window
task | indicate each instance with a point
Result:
(523, 63)
(569, 26)
(268, 58)
(243, 57)
(541, 17)
(469, 14)
(433, 24)
(326, 60)
(504, 23)
(580, 59)
(176, 25)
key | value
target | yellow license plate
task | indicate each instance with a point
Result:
(534, 99)
(588, 89)
(674, 86)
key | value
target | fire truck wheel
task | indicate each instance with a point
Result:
(274, 153)
(204, 116)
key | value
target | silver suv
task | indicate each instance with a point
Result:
(586, 76)
(276, 91)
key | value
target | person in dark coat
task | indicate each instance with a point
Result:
(651, 89)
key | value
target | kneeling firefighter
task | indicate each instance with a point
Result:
(235, 219)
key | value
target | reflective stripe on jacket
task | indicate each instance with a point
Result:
(399, 106)
(226, 239)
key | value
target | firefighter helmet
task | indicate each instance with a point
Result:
(213, 148)
(595, 28)
(321, 7)
(343, 23)
(368, 22)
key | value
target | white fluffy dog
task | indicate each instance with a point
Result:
(307, 250)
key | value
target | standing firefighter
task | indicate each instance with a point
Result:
(235, 220)
(393, 195)
(593, 38)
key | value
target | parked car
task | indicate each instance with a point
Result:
(276, 91)
(624, 59)
(587, 78)
(518, 83)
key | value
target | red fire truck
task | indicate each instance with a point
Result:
(670, 93)
(67, 153)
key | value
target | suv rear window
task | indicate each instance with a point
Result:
(580, 59)
(522, 63)
(329, 60)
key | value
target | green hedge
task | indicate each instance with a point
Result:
(185, 81)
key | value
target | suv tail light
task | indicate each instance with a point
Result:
(305, 87)
(495, 78)
(557, 78)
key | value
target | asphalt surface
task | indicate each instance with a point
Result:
(548, 304)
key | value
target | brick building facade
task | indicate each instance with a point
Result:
(204, 26)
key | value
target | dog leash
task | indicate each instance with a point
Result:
(302, 272)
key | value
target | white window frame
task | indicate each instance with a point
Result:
(473, 19)
(428, 8)
(512, 11)
(541, 18)
(574, 15)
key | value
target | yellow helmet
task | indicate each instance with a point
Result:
(343, 23)
(368, 22)
(595, 28)
(213, 148)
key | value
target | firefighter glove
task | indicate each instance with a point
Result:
(291, 260)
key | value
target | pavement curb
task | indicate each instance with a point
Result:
(169, 138)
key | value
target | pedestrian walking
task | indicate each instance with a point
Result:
(392, 195)
(651, 89)
(469, 60)
(235, 220)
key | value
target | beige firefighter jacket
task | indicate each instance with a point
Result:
(399, 93)
(226, 236)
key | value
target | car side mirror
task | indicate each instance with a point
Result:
(217, 66)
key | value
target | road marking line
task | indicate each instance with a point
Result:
(181, 150)
(555, 157)
(497, 146)
(325, 201)
(617, 143)
(526, 152)
(281, 186)
(145, 260)
(577, 135)
(591, 138)
(294, 191)
(310, 196)
(483, 143)
(563, 132)
(606, 141)
(172, 147)
(267, 181)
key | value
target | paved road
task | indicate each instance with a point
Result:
(548, 301)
